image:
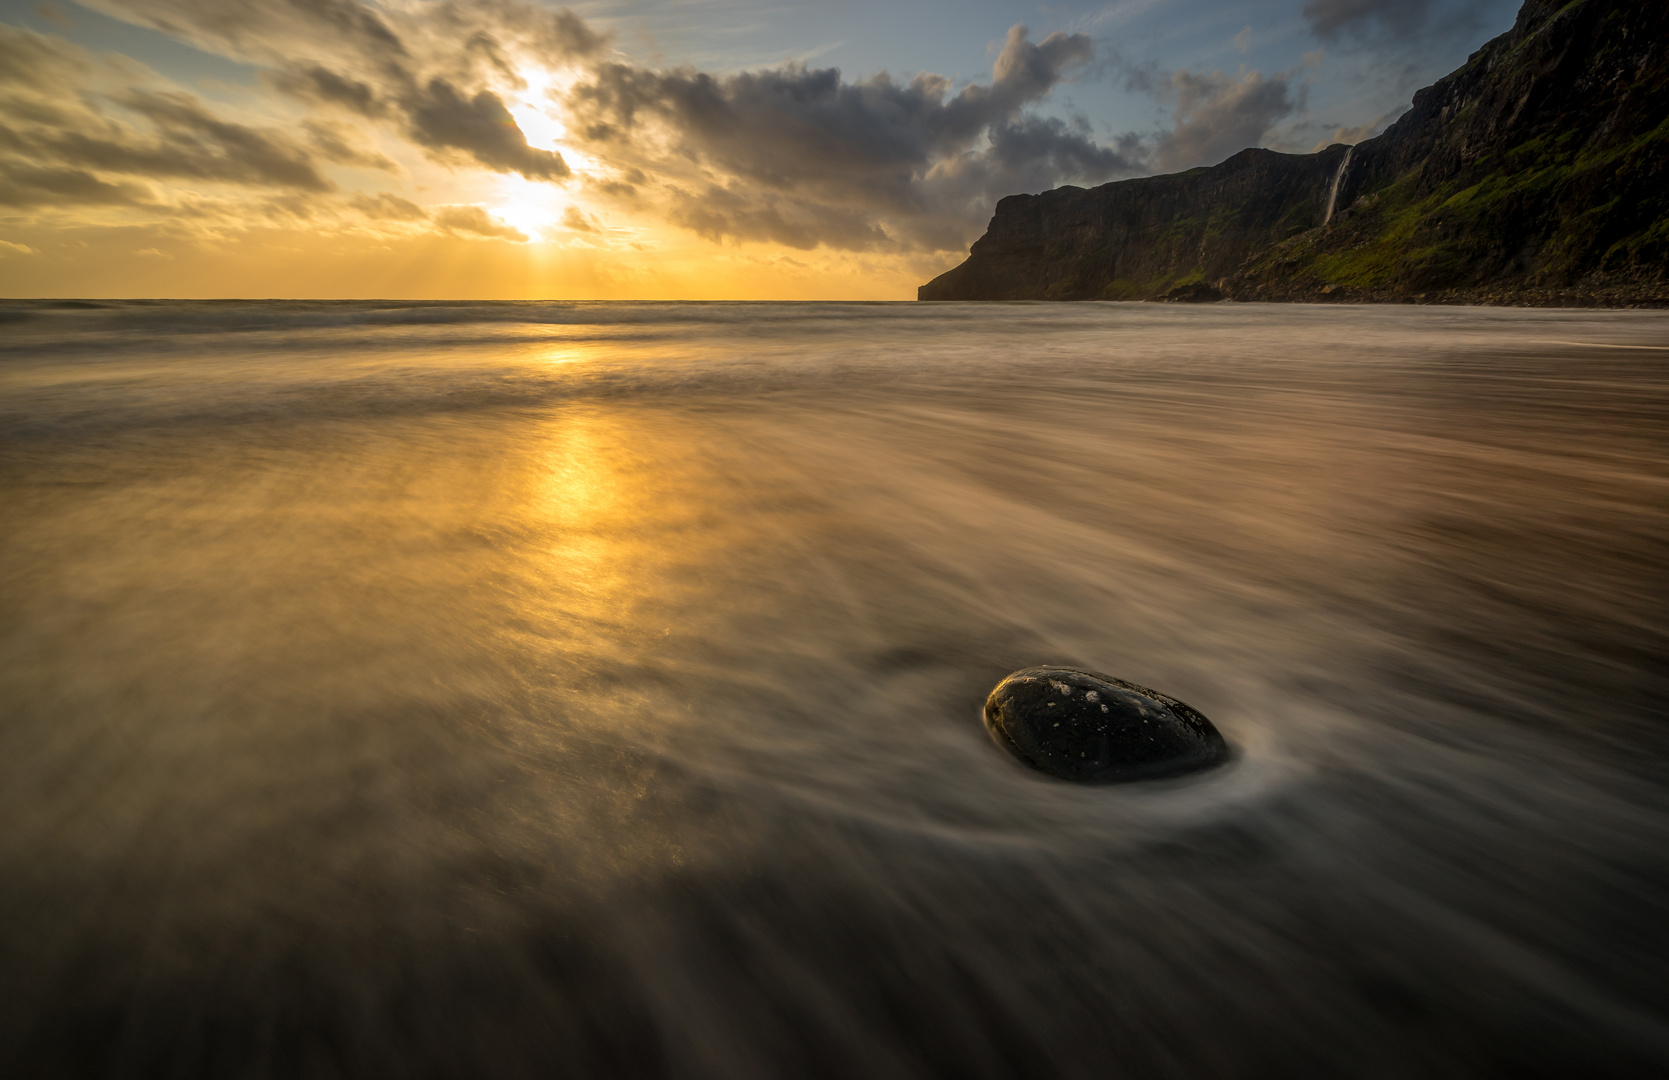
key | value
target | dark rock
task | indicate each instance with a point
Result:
(1136, 239)
(1097, 729)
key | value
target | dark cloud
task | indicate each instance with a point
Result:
(1039, 150)
(30, 60)
(194, 143)
(859, 165)
(617, 189)
(795, 125)
(741, 212)
(429, 65)
(1027, 154)
(318, 84)
(1332, 20)
(437, 117)
(1402, 27)
(24, 184)
(1219, 115)
(1024, 73)
(441, 119)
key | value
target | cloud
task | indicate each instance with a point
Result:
(336, 143)
(463, 219)
(1332, 20)
(400, 41)
(792, 155)
(808, 158)
(1219, 115)
(328, 87)
(1402, 26)
(9, 248)
(76, 132)
(266, 31)
(1025, 72)
(387, 207)
(477, 222)
(1036, 150)
(23, 185)
(442, 119)
(793, 125)
(1353, 134)
(577, 220)
(32, 66)
(192, 142)
(439, 68)
(740, 212)
(54, 14)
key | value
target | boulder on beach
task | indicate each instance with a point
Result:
(1091, 728)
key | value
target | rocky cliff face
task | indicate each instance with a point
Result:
(1538, 172)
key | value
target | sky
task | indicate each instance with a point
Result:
(636, 149)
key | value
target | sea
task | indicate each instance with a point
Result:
(526, 690)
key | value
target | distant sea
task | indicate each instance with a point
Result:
(592, 690)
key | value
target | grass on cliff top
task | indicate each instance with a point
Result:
(1147, 288)
(1477, 224)
(1428, 242)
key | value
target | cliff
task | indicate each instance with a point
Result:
(1537, 173)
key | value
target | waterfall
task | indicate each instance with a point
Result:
(1333, 192)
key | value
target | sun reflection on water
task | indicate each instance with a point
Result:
(582, 500)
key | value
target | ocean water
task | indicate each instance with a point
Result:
(532, 690)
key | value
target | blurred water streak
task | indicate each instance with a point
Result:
(518, 689)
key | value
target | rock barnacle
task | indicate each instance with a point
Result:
(1096, 729)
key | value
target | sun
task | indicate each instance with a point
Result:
(531, 206)
(536, 114)
(534, 108)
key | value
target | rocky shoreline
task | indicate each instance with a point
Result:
(1630, 296)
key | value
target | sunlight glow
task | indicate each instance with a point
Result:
(539, 124)
(536, 113)
(531, 206)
